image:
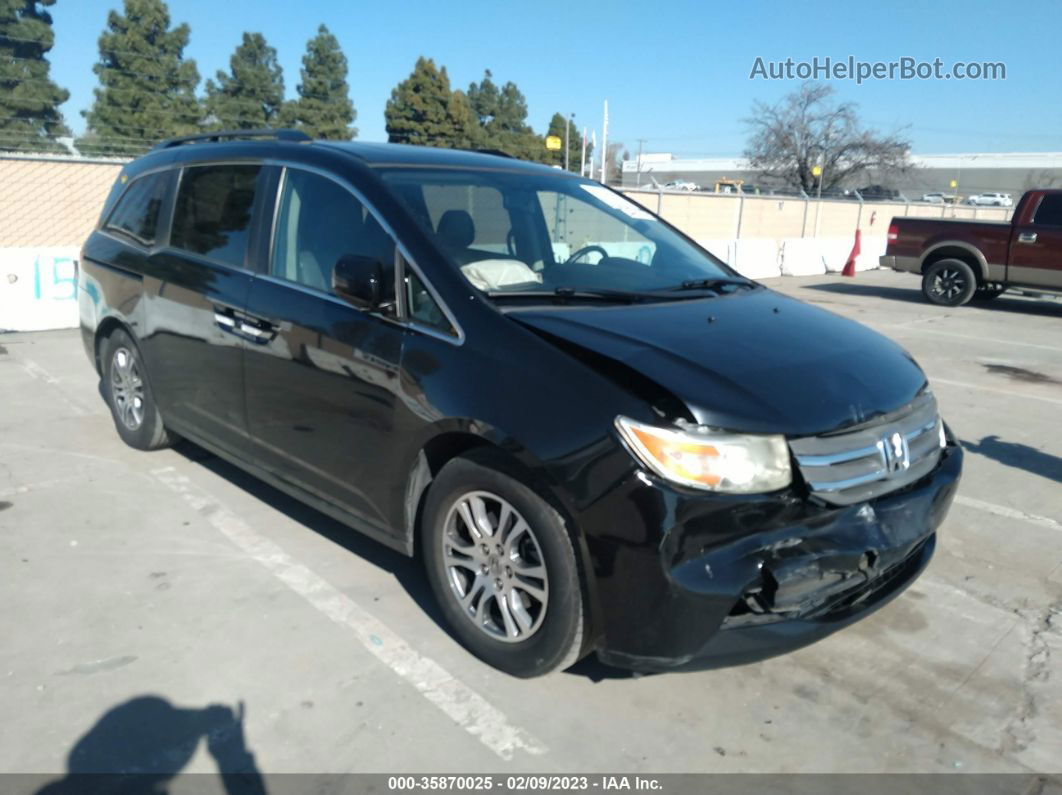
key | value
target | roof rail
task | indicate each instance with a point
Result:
(233, 135)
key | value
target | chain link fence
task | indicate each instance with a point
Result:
(51, 200)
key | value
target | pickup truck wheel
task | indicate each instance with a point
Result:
(949, 282)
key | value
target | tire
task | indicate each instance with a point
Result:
(129, 395)
(545, 626)
(949, 282)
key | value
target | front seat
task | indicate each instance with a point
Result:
(455, 233)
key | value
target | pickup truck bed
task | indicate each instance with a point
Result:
(960, 260)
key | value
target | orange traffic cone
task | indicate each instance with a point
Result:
(849, 266)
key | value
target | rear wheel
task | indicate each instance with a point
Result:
(949, 282)
(129, 395)
(502, 567)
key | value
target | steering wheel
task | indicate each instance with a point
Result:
(583, 251)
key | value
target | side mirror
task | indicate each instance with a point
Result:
(359, 280)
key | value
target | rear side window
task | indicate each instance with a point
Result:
(136, 215)
(212, 216)
(1049, 213)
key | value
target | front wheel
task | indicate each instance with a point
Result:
(503, 570)
(949, 282)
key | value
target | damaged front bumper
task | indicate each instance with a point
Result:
(741, 579)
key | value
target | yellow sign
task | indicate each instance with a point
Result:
(553, 142)
(954, 184)
(816, 171)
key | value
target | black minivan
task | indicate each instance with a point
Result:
(596, 435)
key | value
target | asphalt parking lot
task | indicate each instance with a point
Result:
(163, 591)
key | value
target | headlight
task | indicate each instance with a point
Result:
(725, 462)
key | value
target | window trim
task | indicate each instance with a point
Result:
(403, 259)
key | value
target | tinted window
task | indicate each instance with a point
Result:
(213, 212)
(136, 215)
(319, 222)
(1049, 213)
(422, 306)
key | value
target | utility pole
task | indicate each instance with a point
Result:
(604, 148)
(638, 170)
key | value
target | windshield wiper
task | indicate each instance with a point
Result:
(591, 294)
(712, 284)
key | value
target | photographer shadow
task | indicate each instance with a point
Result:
(138, 747)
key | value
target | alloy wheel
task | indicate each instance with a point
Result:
(127, 388)
(494, 567)
(949, 283)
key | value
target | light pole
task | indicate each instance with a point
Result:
(567, 126)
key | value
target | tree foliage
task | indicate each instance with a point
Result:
(808, 128)
(502, 116)
(423, 110)
(323, 108)
(147, 87)
(29, 100)
(555, 157)
(251, 95)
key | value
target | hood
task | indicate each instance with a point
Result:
(754, 360)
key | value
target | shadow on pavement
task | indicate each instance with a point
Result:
(407, 571)
(141, 745)
(1005, 302)
(1019, 456)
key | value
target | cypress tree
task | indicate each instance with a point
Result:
(502, 115)
(424, 110)
(29, 100)
(147, 87)
(252, 94)
(323, 109)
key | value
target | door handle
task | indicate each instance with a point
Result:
(1027, 237)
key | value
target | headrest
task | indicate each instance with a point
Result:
(456, 229)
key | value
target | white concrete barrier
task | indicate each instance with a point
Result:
(38, 288)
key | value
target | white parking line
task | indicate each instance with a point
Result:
(972, 337)
(1008, 392)
(1010, 513)
(464, 706)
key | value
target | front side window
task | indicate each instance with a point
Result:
(320, 221)
(136, 215)
(519, 232)
(212, 216)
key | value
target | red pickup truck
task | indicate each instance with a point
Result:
(963, 260)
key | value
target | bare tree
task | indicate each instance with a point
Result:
(808, 128)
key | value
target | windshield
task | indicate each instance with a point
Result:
(518, 233)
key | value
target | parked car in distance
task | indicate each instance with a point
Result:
(597, 436)
(680, 184)
(991, 200)
(939, 198)
(964, 260)
(878, 193)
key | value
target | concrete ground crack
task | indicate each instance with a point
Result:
(1019, 732)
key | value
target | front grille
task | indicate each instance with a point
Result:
(874, 459)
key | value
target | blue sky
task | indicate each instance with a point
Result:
(675, 72)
